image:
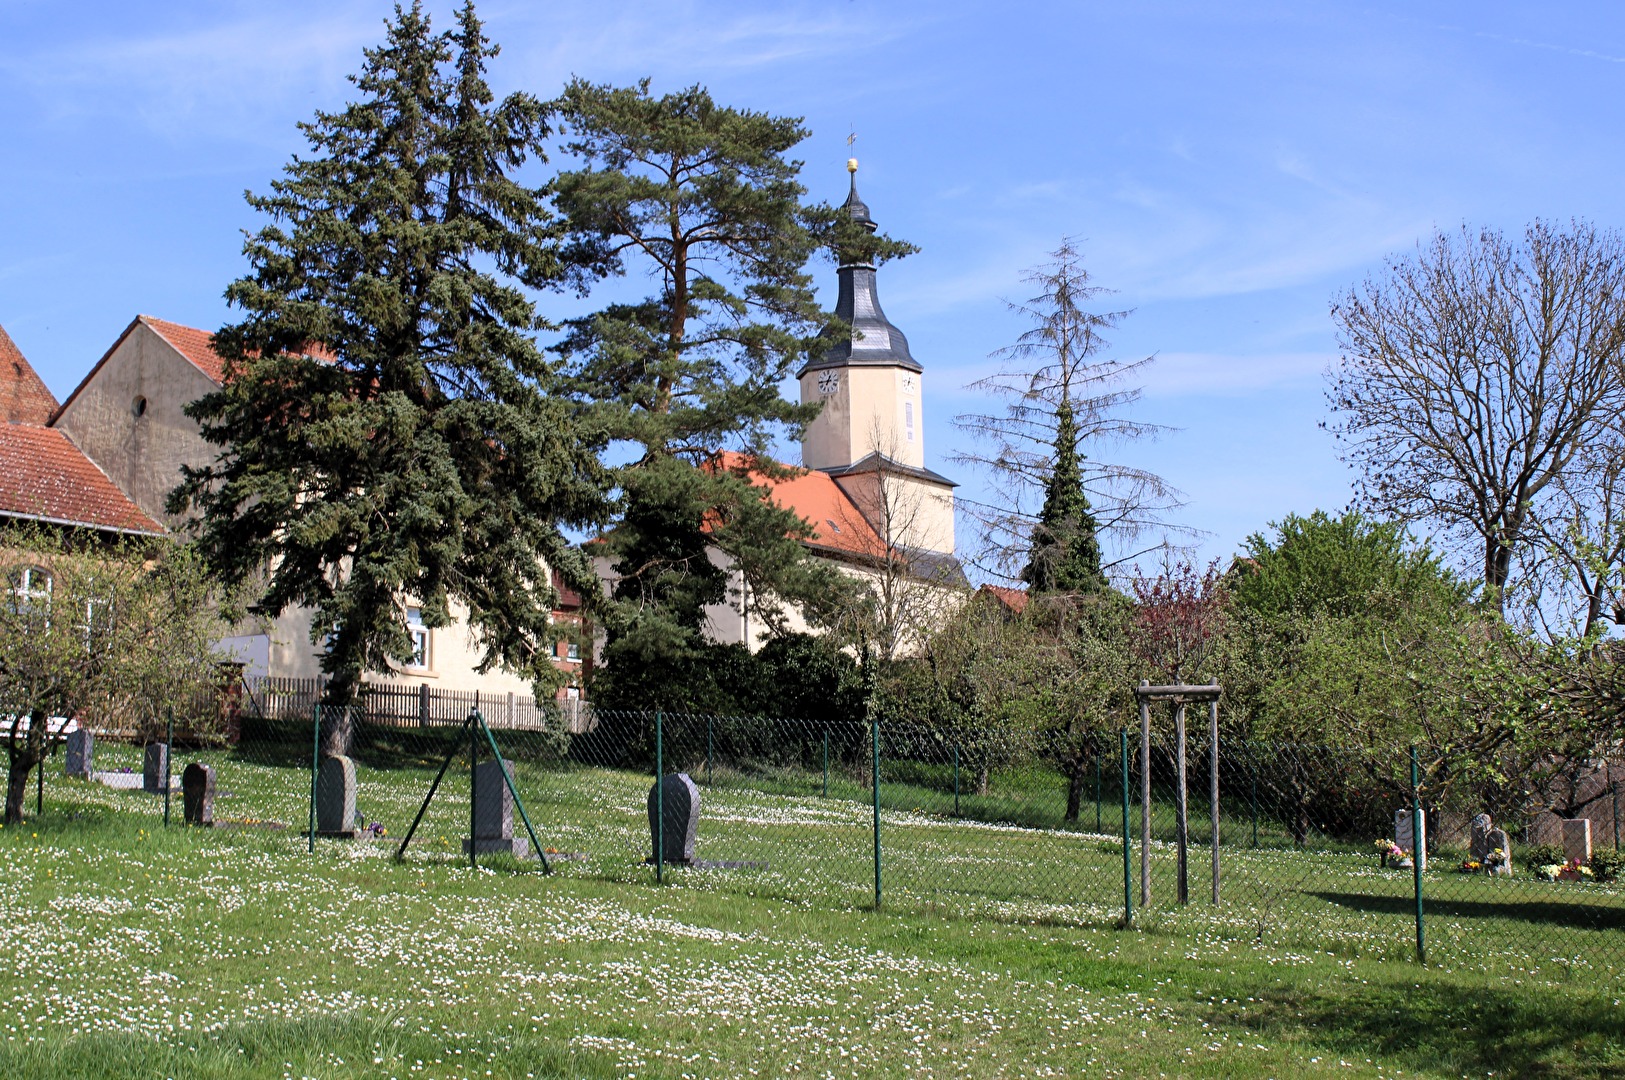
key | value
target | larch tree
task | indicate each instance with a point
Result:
(703, 201)
(1060, 401)
(386, 427)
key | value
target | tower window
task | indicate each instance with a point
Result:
(908, 419)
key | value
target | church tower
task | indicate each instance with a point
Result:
(870, 434)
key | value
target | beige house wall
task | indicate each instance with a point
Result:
(142, 454)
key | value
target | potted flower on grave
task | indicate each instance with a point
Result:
(1471, 866)
(1392, 854)
(1497, 857)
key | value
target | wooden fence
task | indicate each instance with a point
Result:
(421, 705)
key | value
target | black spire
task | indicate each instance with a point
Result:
(873, 341)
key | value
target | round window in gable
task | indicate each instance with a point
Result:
(139, 405)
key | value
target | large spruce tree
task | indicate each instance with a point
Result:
(703, 202)
(386, 429)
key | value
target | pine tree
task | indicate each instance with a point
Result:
(704, 201)
(386, 430)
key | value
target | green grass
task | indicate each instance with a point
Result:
(146, 952)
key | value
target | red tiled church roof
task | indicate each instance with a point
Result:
(44, 476)
(837, 523)
(24, 398)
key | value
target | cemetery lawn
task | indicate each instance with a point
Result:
(132, 950)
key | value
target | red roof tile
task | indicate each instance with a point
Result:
(23, 397)
(191, 343)
(1014, 599)
(44, 476)
(836, 521)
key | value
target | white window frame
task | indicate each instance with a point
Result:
(421, 656)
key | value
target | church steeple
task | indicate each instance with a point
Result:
(865, 377)
(873, 340)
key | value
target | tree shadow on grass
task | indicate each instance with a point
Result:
(1455, 1027)
(1580, 916)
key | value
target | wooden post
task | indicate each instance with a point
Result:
(1213, 787)
(423, 704)
(1181, 810)
(1145, 798)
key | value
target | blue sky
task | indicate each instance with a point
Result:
(1228, 169)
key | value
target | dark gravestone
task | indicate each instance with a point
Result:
(81, 749)
(197, 794)
(682, 809)
(155, 767)
(335, 797)
(1480, 847)
(1498, 853)
(493, 813)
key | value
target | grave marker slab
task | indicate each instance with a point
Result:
(1416, 843)
(1498, 840)
(682, 809)
(493, 814)
(81, 749)
(155, 767)
(1577, 839)
(197, 794)
(1480, 847)
(335, 797)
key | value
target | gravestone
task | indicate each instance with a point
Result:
(493, 814)
(682, 809)
(81, 746)
(1577, 839)
(1418, 847)
(1498, 840)
(197, 794)
(155, 767)
(1480, 847)
(335, 797)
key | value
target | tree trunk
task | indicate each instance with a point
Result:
(1074, 793)
(17, 789)
(982, 780)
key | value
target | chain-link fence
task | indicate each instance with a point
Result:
(1304, 848)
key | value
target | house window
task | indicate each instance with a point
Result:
(420, 637)
(31, 591)
(908, 419)
(572, 651)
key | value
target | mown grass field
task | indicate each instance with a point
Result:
(232, 952)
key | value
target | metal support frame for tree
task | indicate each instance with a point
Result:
(1179, 695)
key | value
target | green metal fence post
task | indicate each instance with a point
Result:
(826, 763)
(1616, 815)
(708, 722)
(1252, 771)
(169, 750)
(874, 738)
(39, 780)
(1128, 873)
(660, 800)
(1418, 841)
(473, 760)
(315, 765)
(956, 780)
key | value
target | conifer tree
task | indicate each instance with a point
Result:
(1059, 399)
(386, 430)
(704, 201)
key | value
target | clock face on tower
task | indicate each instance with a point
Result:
(908, 384)
(829, 382)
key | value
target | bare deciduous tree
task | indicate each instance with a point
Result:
(1478, 374)
(1050, 370)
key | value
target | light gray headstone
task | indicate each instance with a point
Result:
(335, 796)
(1480, 846)
(197, 794)
(682, 810)
(493, 813)
(81, 749)
(1498, 840)
(154, 767)
(1577, 839)
(1416, 843)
